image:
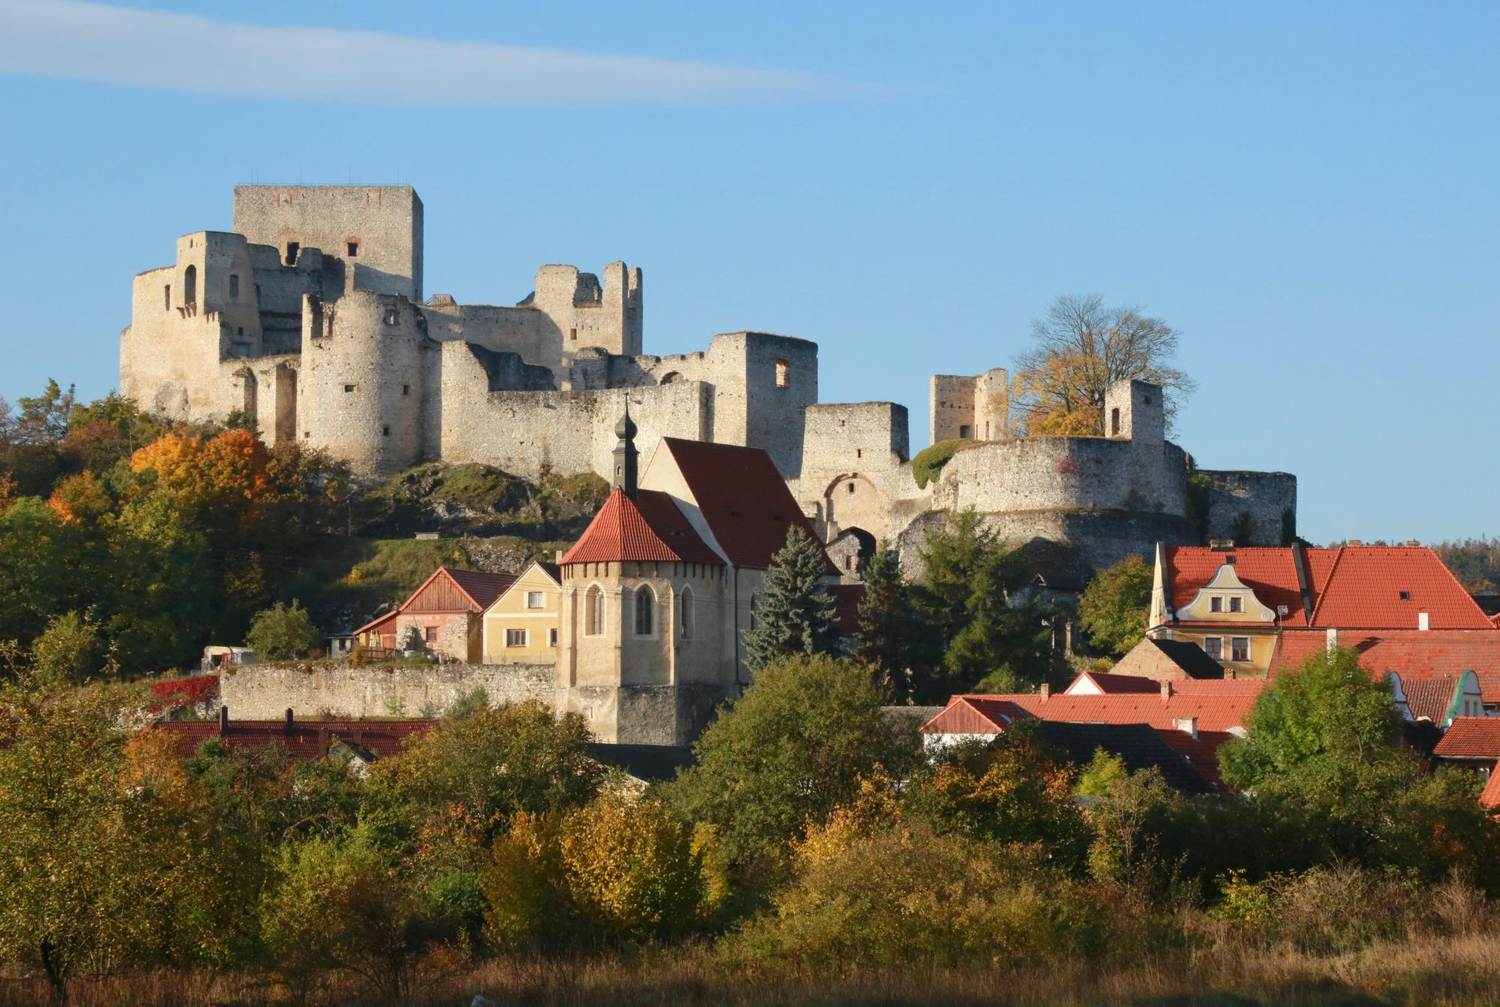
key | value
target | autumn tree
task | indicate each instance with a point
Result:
(1081, 347)
(1116, 605)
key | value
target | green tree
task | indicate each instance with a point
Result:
(792, 748)
(793, 614)
(45, 569)
(1323, 752)
(283, 632)
(887, 624)
(72, 648)
(342, 903)
(1116, 605)
(1000, 635)
(89, 881)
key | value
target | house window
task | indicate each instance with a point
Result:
(645, 617)
(1236, 604)
(1239, 648)
(515, 638)
(1114, 422)
(1213, 646)
(783, 373)
(234, 287)
(1216, 604)
(594, 612)
(353, 247)
(686, 619)
(552, 638)
(430, 634)
(292, 248)
(535, 599)
(166, 296)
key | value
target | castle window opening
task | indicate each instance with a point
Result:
(292, 248)
(392, 316)
(645, 617)
(515, 638)
(166, 296)
(851, 486)
(1239, 648)
(1114, 422)
(385, 431)
(859, 452)
(535, 599)
(406, 389)
(348, 388)
(594, 612)
(1145, 400)
(239, 331)
(783, 373)
(687, 613)
(965, 431)
(353, 247)
(190, 285)
(234, 286)
(552, 637)
(573, 335)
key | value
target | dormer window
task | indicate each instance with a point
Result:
(1236, 604)
(1406, 596)
(1216, 604)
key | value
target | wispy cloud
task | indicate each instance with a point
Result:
(183, 52)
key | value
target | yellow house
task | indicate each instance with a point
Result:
(522, 624)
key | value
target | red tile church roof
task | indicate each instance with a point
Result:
(645, 528)
(743, 498)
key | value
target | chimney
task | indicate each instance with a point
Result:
(1424, 623)
(223, 721)
(288, 726)
(626, 456)
(1333, 639)
(1166, 689)
(1187, 725)
(1045, 690)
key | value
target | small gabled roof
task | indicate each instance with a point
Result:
(1430, 698)
(548, 570)
(1470, 738)
(478, 588)
(645, 528)
(975, 715)
(742, 496)
(1110, 684)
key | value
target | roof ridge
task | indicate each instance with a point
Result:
(1338, 557)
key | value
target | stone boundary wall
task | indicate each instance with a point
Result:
(349, 692)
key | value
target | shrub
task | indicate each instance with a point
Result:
(1116, 605)
(280, 632)
(930, 460)
(73, 649)
(1326, 910)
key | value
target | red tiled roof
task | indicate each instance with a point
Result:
(481, 588)
(742, 496)
(1409, 653)
(1490, 798)
(1351, 587)
(1429, 698)
(1216, 705)
(307, 739)
(1110, 683)
(1201, 752)
(1470, 738)
(645, 528)
(975, 715)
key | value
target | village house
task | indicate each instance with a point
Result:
(521, 625)
(444, 614)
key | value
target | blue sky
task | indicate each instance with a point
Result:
(1309, 195)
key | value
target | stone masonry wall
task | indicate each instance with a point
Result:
(1262, 504)
(266, 691)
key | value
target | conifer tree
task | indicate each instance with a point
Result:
(887, 624)
(793, 615)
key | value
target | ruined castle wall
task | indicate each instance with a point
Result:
(383, 222)
(1102, 538)
(528, 332)
(855, 471)
(267, 691)
(1065, 473)
(1253, 508)
(587, 313)
(568, 432)
(363, 393)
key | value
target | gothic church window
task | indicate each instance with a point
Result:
(645, 616)
(594, 612)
